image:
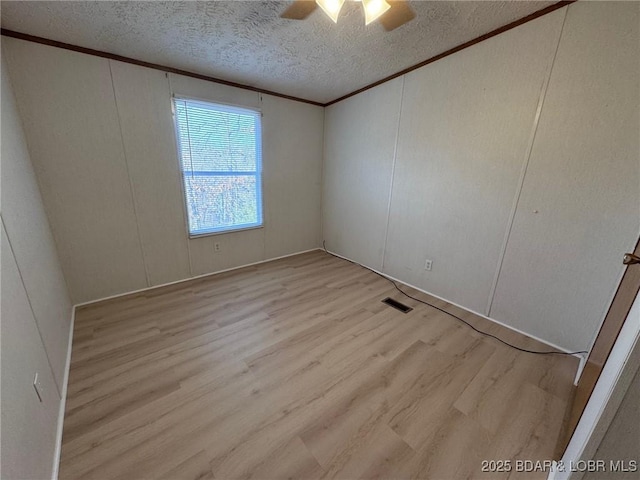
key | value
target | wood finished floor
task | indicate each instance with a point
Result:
(295, 369)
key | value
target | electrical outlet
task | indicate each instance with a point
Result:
(216, 247)
(427, 265)
(37, 385)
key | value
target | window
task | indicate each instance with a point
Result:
(220, 150)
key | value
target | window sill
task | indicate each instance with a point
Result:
(235, 230)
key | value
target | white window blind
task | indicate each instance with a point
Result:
(220, 150)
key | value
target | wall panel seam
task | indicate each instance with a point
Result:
(523, 173)
(393, 171)
(132, 190)
(35, 318)
(320, 240)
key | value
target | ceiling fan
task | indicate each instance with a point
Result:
(392, 14)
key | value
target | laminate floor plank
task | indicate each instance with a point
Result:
(295, 369)
(194, 468)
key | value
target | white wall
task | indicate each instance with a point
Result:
(583, 179)
(466, 121)
(71, 126)
(36, 311)
(102, 140)
(516, 171)
(360, 140)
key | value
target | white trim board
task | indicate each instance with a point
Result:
(552, 345)
(583, 363)
(63, 400)
(118, 295)
(616, 376)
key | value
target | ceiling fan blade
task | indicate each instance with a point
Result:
(399, 14)
(299, 10)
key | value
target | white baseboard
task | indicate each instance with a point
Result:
(118, 295)
(550, 344)
(521, 332)
(63, 400)
(583, 363)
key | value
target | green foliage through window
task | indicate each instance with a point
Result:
(220, 155)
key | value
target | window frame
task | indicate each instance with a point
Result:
(181, 170)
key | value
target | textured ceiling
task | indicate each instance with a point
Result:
(247, 42)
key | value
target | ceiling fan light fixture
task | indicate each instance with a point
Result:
(331, 8)
(373, 9)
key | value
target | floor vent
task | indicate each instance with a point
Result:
(397, 305)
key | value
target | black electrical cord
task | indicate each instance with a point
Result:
(450, 314)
